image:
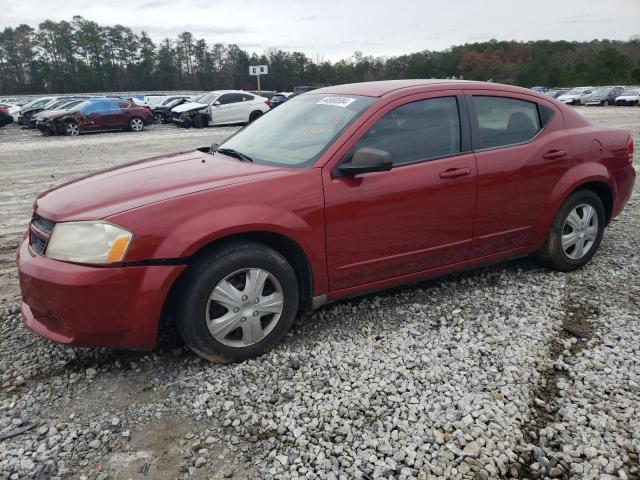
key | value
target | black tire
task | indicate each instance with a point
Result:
(206, 273)
(254, 116)
(199, 121)
(552, 253)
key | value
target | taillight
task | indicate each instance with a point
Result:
(266, 102)
(4, 109)
(630, 149)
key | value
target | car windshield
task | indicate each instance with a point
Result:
(602, 90)
(168, 101)
(298, 132)
(207, 98)
(78, 107)
(575, 91)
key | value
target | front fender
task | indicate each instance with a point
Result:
(201, 230)
(290, 205)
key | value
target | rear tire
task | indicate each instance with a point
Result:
(254, 116)
(576, 232)
(222, 312)
(136, 124)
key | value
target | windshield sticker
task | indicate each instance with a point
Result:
(336, 101)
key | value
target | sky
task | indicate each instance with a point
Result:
(332, 30)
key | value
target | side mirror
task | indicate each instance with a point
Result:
(217, 102)
(365, 160)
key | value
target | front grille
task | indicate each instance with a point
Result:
(40, 230)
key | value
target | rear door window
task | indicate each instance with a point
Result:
(417, 131)
(504, 121)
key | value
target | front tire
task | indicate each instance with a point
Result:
(237, 302)
(71, 128)
(576, 232)
(199, 121)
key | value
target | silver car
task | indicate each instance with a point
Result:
(603, 96)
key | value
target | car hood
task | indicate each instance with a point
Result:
(185, 107)
(147, 181)
(627, 97)
(49, 113)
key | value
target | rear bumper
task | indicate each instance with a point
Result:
(624, 179)
(93, 306)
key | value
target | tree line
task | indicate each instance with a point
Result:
(83, 56)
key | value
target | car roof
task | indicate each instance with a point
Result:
(384, 87)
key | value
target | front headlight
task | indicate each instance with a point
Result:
(88, 242)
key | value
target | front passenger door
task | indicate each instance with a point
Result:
(382, 227)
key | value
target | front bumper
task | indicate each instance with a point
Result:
(88, 306)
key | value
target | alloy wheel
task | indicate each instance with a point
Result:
(137, 125)
(580, 231)
(158, 119)
(244, 307)
(72, 129)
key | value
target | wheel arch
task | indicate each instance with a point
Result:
(284, 245)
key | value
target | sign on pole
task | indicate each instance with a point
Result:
(257, 70)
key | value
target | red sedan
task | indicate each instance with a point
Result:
(98, 114)
(337, 192)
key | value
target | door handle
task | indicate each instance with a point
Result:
(455, 173)
(554, 154)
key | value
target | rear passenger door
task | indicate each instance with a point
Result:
(522, 151)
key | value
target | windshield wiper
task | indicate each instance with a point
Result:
(235, 154)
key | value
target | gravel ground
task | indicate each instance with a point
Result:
(509, 371)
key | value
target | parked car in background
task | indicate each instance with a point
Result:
(302, 89)
(40, 119)
(220, 107)
(556, 92)
(162, 112)
(60, 104)
(603, 96)
(153, 100)
(32, 107)
(335, 193)
(575, 95)
(629, 97)
(263, 93)
(100, 114)
(279, 99)
(13, 110)
(540, 89)
(5, 116)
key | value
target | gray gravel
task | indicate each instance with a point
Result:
(509, 371)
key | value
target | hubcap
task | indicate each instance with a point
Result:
(244, 307)
(580, 231)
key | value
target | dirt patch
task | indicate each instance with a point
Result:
(573, 337)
